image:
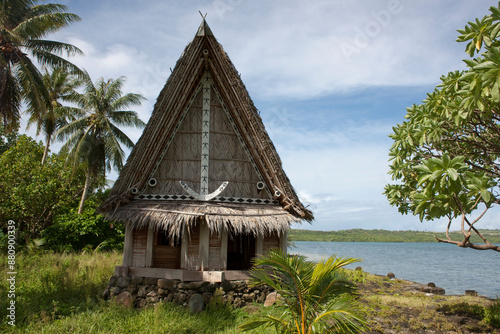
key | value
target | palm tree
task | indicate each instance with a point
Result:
(60, 86)
(23, 25)
(315, 297)
(94, 138)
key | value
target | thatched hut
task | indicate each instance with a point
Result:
(203, 191)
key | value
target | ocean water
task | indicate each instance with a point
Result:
(449, 267)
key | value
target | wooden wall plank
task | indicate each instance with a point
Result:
(139, 247)
(128, 246)
(193, 249)
(270, 242)
(204, 246)
(214, 258)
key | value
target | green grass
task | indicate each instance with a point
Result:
(61, 293)
(162, 318)
(50, 286)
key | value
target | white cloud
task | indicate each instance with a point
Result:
(340, 174)
(294, 49)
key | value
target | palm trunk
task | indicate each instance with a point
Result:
(46, 151)
(84, 195)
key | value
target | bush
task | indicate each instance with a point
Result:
(492, 314)
(463, 309)
(32, 194)
(89, 230)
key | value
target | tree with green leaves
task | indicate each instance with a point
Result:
(94, 138)
(445, 155)
(31, 194)
(314, 297)
(23, 26)
(60, 85)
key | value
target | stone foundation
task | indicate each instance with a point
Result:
(143, 291)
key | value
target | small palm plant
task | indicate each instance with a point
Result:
(315, 297)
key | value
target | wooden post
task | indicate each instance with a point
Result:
(149, 246)
(127, 246)
(259, 245)
(184, 248)
(204, 245)
(223, 250)
(284, 242)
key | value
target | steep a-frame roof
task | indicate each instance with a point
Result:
(204, 56)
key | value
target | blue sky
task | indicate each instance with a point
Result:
(330, 78)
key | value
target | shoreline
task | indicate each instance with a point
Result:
(402, 306)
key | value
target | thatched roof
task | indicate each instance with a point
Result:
(234, 218)
(281, 206)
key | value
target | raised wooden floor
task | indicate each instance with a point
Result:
(183, 275)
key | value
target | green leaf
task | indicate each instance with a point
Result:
(495, 92)
(495, 31)
(452, 173)
(253, 325)
(486, 195)
(436, 174)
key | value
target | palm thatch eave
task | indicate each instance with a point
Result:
(176, 217)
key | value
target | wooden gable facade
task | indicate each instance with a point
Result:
(203, 191)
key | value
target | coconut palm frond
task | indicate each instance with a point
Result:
(53, 46)
(127, 100)
(114, 152)
(126, 118)
(121, 136)
(23, 26)
(32, 88)
(50, 59)
(44, 23)
(74, 127)
(10, 100)
(315, 297)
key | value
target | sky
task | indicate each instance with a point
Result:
(330, 78)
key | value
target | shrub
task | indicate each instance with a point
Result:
(32, 194)
(463, 309)
(74, 232)
(492, 314)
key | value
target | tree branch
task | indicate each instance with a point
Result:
(465, 243)
(470, 245)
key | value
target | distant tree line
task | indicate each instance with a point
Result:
(360, 235)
